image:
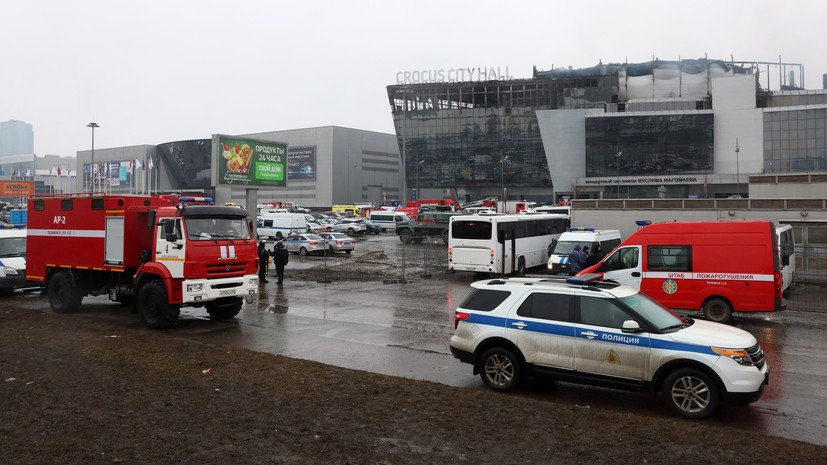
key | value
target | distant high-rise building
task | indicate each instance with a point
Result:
(16, 138)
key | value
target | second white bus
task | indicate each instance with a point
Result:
(502, 244)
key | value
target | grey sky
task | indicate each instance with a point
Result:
(156, 71)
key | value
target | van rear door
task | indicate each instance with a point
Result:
(624, 265)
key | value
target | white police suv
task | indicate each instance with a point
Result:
(586, 331)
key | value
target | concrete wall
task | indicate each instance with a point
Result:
(564, 141)
(622, 214)
(348, 161)
(733, 101)
(308, 193)
(118, 154)
(787, 186)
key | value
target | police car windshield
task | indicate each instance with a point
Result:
(656, 314)
(565, 247)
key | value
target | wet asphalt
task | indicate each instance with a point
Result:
(403, 329)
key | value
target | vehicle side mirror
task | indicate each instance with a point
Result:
(631, 326)
(171, 237)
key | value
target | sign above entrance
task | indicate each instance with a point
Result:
(453, 75)
(641, 180)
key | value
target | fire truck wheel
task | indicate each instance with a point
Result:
(154, 307)
(717, 310)
(63, 297)
(224, 309)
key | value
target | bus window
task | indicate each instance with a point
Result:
(471, 230)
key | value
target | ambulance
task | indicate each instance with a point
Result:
(716, 267)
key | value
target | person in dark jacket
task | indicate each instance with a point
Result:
(263, 257)
(552, 246)
(595, 257)
(577, 259)
(280, 259)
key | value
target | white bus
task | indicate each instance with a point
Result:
(500, 243)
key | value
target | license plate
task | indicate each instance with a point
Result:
(229, 292)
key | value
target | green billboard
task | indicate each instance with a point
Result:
(250, 162)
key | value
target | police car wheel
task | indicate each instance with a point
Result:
(690, 393)
(302, 251)
(500, 369)
(717, 310)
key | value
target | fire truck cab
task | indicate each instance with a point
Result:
(157, 253)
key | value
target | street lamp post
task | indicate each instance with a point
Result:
(737, 168)
(418, 167)
(93, 125)
(502, 181)
(617, 167)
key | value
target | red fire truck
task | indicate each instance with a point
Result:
(157, 253)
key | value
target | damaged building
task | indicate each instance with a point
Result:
(678, 129)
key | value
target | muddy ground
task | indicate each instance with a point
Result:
(76, 391)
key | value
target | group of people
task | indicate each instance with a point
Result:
(280, 259)
(579, 257)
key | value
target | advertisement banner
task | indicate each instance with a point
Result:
(250, 162)
(301, 163)
(117, 174)
(16, 188)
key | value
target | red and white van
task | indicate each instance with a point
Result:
(718, 267)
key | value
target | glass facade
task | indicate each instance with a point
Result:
(795, 140)
(649, 144)
(478, 147)
(187, 163)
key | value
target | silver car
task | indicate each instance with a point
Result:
(304, 244)
(352, 226)
(338, 242)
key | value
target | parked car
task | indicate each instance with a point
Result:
(314, 227)
(338, 242)
(588, 331)
(352, 226)
(304, 244)
(329, 225)
(373, 228)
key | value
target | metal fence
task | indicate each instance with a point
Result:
(384, 258)
(809, 288)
